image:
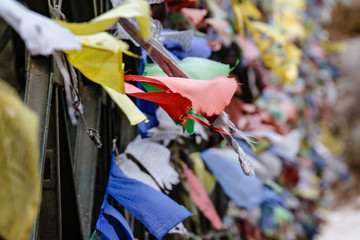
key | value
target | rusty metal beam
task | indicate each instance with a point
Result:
(86, 155)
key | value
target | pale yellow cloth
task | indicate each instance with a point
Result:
(134, 115)
(205, 177)
(139, 9)
(19, 161)
(100, 60)
(289, 17)
(333, 47)
(334, 144)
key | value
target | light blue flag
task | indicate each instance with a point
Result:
(245, 191)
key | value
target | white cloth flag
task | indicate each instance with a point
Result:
(156, 160)
(41, 35)
(131, 170)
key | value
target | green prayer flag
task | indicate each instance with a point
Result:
(196, 68)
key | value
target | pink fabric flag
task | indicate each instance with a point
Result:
(201, 199)
(174, 104)
(208, 97)
(195, 15)
(249, 48)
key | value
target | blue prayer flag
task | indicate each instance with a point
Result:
(155, 210)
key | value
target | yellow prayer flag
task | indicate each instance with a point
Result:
(248, 9)
(279, 53)
(289, 18)
(19, 159)
(333, 143)
(139, 9)
(242, 11)
(100, 60)
(239, 22)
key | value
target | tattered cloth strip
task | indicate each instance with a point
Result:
(41, 35)
(155, 210)
(224, 123)
(201, 198)
(156, 160)
(20, 190)
(71, 87)
(248, 194)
